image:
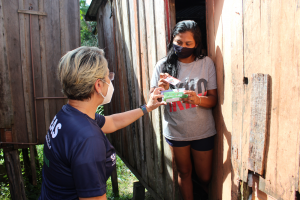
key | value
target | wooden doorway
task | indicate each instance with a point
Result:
(193, 10)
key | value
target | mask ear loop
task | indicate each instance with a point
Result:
(107, 84)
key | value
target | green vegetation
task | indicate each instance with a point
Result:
(88, 30)
(32, 192)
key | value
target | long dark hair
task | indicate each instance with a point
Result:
(170, 66)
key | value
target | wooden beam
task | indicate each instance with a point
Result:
(114, 181)
(138, 191)
(32, 12)
(14, 174)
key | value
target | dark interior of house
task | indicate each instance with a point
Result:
(193, 10)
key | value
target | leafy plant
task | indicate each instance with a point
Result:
(88, 30)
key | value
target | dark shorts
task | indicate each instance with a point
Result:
(205, 144)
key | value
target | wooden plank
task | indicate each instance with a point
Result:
(237, 66)
(6, 107)
(259, 122)
(42, 132)
(221, 156)
(134, 88)
(26, 71)
(134, 27)
(118, 81)
(223, 60)
(161, 42)
(134, 155)
(53, 41)
(147, 129)
(138, 191)
(122, 76)
(114, 181)
(32, 12)
(297, 62)
(14, 66)
(38, 110)
(172, 14)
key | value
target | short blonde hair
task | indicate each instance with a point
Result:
(79, 69)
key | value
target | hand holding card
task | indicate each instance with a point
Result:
(172, 80)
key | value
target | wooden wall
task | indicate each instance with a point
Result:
(55, 30)
(244, 38)
(134, 36)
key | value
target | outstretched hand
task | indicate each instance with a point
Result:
(153, 102)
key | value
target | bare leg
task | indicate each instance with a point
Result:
(182, 156)
(203, 166)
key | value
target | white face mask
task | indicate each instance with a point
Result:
(109, 94)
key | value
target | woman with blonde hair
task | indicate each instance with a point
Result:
(78, 158)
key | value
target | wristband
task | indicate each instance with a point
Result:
(144, 109)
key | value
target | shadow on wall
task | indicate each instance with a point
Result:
(221, 182)
(138, 145)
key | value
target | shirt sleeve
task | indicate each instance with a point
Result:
(156, 72)
(100, 120)
(212, 78)
(88, 167)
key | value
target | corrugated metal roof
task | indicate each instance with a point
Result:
(191, 12)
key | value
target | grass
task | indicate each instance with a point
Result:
(125, 181)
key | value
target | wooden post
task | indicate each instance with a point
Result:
(138, 191)
(14, 174)
(27, 166)
(114, 181)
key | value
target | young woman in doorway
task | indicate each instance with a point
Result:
(188, 125)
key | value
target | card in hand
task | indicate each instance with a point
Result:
(172, 80)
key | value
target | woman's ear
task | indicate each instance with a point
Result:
(98, 85)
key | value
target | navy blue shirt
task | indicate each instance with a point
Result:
(78, 158)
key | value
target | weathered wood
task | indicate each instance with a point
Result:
(297, 60)
(52, 30)
(27, 168)
(121, 70)
(32, 12)
(259, 122)
(14, 174)
(161, 50)
(172, 14)
(26, 71)
(134, 156)
(6, 108)
(147, 129)
(44, 73)
(35, 63)
(114, 181)
(138, 191)
(237, 137)
(134, 27)
(136, 91)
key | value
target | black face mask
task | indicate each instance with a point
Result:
(183, 52)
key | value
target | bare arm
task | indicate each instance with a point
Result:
(103, 197)
(121, 120)
(208, 101)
